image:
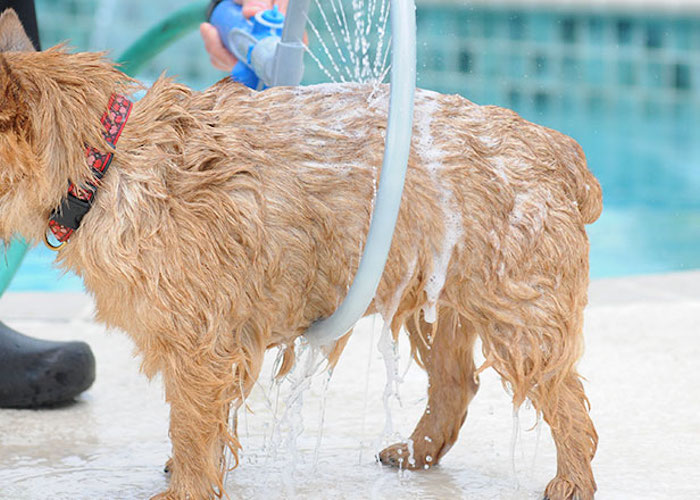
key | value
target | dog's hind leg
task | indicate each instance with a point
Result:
(446, 350)
(535, 352)
(565, 408)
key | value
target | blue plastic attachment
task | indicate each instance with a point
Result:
(241, 35)
(273, 16)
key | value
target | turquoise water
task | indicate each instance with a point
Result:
(650, 173)
(38, 274)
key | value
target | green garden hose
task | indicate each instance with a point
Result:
(162, 35)
(152, 43)
(9, 265)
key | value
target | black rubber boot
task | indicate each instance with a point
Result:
(35, 373)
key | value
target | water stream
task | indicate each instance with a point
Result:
(348, 39)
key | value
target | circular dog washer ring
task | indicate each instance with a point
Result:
(391, 181)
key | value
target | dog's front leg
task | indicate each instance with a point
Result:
(200, 389)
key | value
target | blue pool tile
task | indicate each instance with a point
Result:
(570, 69)
(517, 26)
(539, 66)
(681, 34)
(625, 31)
(655, 35)
(596, 71)
(515, 98)
(681, 78)
(596, 103)
(655, 74)
(542, 26)
(516, 66)
(569, 28)
(466, 23)
(597, 30)
(493, 63)
(542, 102)
(627, 72)
(466, 61)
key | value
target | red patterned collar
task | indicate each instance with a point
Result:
(66, 219)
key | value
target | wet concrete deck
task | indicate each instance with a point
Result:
(641, 362)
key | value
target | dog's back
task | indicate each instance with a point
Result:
(487, 193)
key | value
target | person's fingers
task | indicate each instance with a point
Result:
(282, 4)
(220, 57)
(252, 7)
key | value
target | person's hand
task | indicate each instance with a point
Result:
(220, 57)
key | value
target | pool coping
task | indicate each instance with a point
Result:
(630, 7)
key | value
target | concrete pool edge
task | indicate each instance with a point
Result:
(641, 378)
(58, 307)
(672, 287)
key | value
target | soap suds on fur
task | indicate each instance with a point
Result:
(430, 152)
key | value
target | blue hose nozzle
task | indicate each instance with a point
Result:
(253, 41)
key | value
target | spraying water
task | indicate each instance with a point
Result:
(348, 39)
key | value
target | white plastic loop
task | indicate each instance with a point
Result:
(386, 208)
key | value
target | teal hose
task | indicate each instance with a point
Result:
(152, 43)
(10, 264)
(162, 35)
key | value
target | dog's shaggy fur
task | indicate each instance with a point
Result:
(231, 220)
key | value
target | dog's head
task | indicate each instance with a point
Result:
(50, 108)
(16, 138)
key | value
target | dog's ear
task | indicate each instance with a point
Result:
(15, 130)
(12, 35)
(15, 125)
(13, 111)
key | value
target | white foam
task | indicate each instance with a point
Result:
(431, 154)
(330, 88)
(387, 348)
(411, 452)
(490, 140)
(499, 166)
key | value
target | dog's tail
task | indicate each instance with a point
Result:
(587, 191)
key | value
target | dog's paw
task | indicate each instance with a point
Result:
(165, 495)
(400, 455)
(563, 489)
(396, 455)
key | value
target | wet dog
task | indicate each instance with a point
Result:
(230, 220)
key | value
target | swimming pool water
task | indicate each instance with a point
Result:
(38, 273)
(650, 174)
